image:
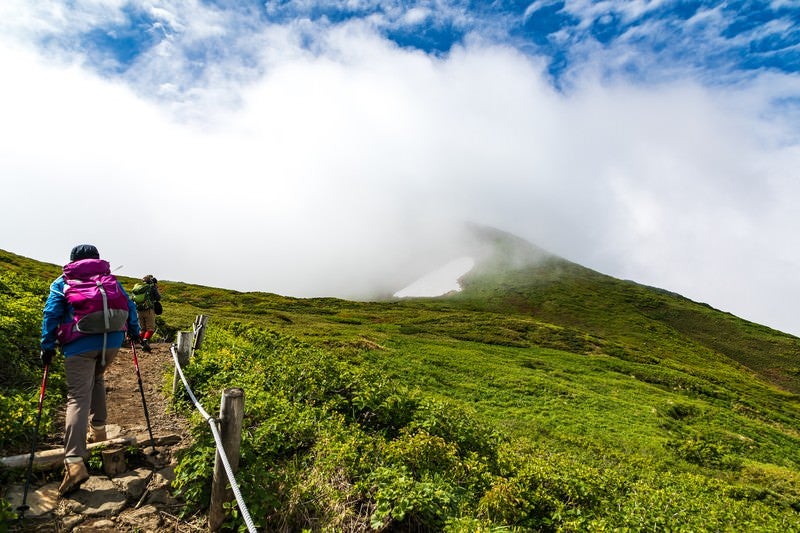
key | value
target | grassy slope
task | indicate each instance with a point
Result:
(554, 305)
(562, 351)
(608, 372)
(599, 368)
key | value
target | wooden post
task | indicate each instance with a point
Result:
(231, 413)
(200, 322)
(184, 348)
(114, 462)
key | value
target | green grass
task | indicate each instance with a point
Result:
(543, 397)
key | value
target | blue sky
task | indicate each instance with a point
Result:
(331, 148)
(732, 40)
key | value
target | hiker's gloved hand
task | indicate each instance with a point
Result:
(134, 337)
(47, 356)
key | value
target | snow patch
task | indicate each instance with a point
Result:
(439, 282)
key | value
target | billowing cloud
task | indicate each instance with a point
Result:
(310, 156)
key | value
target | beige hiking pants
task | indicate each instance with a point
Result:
(86, 398)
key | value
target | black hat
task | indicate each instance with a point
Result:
(84, 251)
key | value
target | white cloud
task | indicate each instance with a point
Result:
(339, 168)
(416, 15)
(780, 4)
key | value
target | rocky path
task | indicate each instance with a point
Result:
(131, 494)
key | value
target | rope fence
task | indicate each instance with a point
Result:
(212, 422)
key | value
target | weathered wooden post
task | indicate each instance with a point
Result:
(114, 462)
(199, 325)
(231, 414)
(184, 348)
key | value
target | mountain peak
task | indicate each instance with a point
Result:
(479, 250)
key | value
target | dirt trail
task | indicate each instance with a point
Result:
(124, 400)
(140, 499)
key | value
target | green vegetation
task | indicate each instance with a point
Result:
(544, 397)
(21, 300)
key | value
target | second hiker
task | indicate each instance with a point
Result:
(148, 305)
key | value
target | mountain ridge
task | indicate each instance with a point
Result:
(510, 273)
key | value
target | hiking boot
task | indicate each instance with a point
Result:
(96, 434)
(74, 475)
(145, 345)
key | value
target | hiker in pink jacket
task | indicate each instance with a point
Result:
(87, 315)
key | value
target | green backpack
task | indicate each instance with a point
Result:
(141, 296)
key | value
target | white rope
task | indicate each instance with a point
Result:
(211, 422)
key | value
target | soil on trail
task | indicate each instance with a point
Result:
(124, 401)
(126, 414)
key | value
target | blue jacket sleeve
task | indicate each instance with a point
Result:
(54, 313)
(133, 316)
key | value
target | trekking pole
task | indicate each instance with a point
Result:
(144, 403)
(24, 506)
